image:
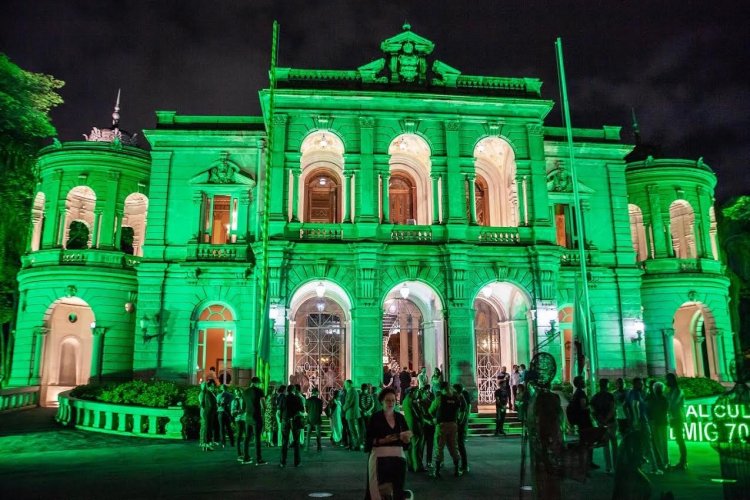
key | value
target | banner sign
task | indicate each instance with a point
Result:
(711, 423)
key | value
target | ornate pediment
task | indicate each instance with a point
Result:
(405, 62)
(223, 171)
(560, 181)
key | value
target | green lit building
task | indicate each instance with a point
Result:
(418, 217)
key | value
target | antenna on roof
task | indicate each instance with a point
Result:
(636, 128)
(116, 114)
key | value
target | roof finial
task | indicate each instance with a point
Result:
(636, 128)
(116, 114)
(406, 26)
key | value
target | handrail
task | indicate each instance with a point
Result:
(15, 398)
(141, 421)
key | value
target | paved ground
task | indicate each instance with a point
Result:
(40, 460)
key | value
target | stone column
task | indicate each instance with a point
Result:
(385, 178)
(700, 370)
(668, 335)
(295, 193)
(471, 179)
(94, 235)
(277, 180)
(113, 208)
(50, 230)
(403, 342)
(366, 347)
(435, 201)
(456, 200)
(462, 368)
(97, 353)
(366, 179)
(347, 196)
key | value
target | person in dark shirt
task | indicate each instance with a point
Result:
(314, 408)
(463, 425)
(366, 407)
(238, 416)
(425, 400)
(224, 408)
(207, 403)
(501, 404)
(447, 409)
(405, 380)
(291, 412)
(603, 408)
(255, 402)
(579, 406)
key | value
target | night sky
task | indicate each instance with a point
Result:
(680, 64)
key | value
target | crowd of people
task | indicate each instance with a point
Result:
(407, 425)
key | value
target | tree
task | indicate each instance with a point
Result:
(25, 101)
(734, 233)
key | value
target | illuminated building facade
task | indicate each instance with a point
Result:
(418, 217)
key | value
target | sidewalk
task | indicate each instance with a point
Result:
(40, 460)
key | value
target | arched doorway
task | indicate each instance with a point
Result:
(319, 346)
(502, 334)
(413, 328)
(695, 350)
(67, 349)
(215, 330)
(322, 195)
(403, 335)
(402, 199)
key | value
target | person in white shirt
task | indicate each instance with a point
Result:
(515, 379)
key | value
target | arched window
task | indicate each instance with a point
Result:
(133, 230)
(402, 194)
(37, 221)
(322, 195)
(79, 219)
(321, 182)
(638, 232)
(410, 166)
(681, 223)
(495, 164)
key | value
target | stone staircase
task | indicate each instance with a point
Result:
(481, 424)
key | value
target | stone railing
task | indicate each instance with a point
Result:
(137, 421)
(424, 233)
(80, 257)
(16, 398)
(321, 232)
(506, 235)
(572, 257)
(226, 252)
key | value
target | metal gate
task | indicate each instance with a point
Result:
(319, 354)
(488, 363)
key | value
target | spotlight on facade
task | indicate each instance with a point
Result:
(93, 325)
(229, 337)
(404, 291)
(129, 307)
(320, 290)
(487, 292)
(273, 313)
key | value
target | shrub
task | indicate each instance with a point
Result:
(152, 393)
(699, 387)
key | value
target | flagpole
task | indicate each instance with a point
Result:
(263, 341)
(577, 211)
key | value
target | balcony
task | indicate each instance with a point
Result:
(682, 266)
(81, 257)
(228, 252)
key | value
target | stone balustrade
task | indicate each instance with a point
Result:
(163, 423)
(15, 398)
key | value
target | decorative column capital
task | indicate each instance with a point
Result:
(366, 122)
(280, 119)
(668, 332)
(452, 125)
(471, 176)
(535, 129)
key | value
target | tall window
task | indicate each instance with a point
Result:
(219, 219)
(402, 199)
(712, 233)
(638, 232)
(482, 200)
(322, 194)
(681, 222)
(565, 233)
(214, 342)
(495, 165)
